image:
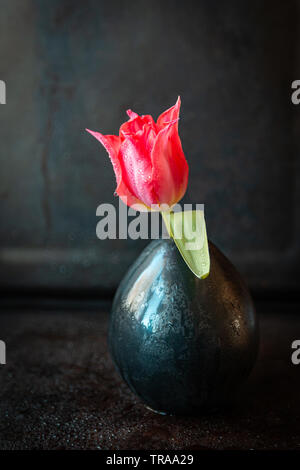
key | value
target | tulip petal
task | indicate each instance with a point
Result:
(135, 124)
(111, 143)
(132, 114)
(137, 169)
(170, 168)
(169, 115)
(129, 199)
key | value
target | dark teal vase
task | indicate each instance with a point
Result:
(182, 344)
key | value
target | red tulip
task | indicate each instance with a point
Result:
(148, 159)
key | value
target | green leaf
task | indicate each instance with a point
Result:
(188, 230)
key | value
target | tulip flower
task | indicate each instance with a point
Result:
(148, 160)
(152, 174)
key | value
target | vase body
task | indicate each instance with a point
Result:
(182, 344)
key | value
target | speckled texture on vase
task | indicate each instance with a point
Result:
(182, 344)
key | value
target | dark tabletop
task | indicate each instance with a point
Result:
(59, 390)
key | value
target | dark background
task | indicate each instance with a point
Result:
(72, 64)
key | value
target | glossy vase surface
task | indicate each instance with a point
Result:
(182, 344)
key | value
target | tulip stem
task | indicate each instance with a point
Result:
(166, 218)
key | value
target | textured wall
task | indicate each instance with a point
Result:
(72, 64)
